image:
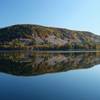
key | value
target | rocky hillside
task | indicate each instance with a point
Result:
(35, 36)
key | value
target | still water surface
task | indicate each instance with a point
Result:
(49, 76)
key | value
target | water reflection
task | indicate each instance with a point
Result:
(29, 64)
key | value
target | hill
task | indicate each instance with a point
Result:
(46, 38)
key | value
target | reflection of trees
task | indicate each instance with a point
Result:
(27, 64)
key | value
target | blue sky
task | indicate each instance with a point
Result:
(72, 14)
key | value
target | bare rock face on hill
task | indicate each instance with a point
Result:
(40, 37)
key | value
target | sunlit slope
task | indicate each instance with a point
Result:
(26, 35)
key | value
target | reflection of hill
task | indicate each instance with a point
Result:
(26, 64)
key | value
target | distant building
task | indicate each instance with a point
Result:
(98, 45)
(25, 41)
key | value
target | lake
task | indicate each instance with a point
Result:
(49, 76)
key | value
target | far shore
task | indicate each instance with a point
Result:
(50, 51)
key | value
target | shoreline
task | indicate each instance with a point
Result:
(50, 51)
